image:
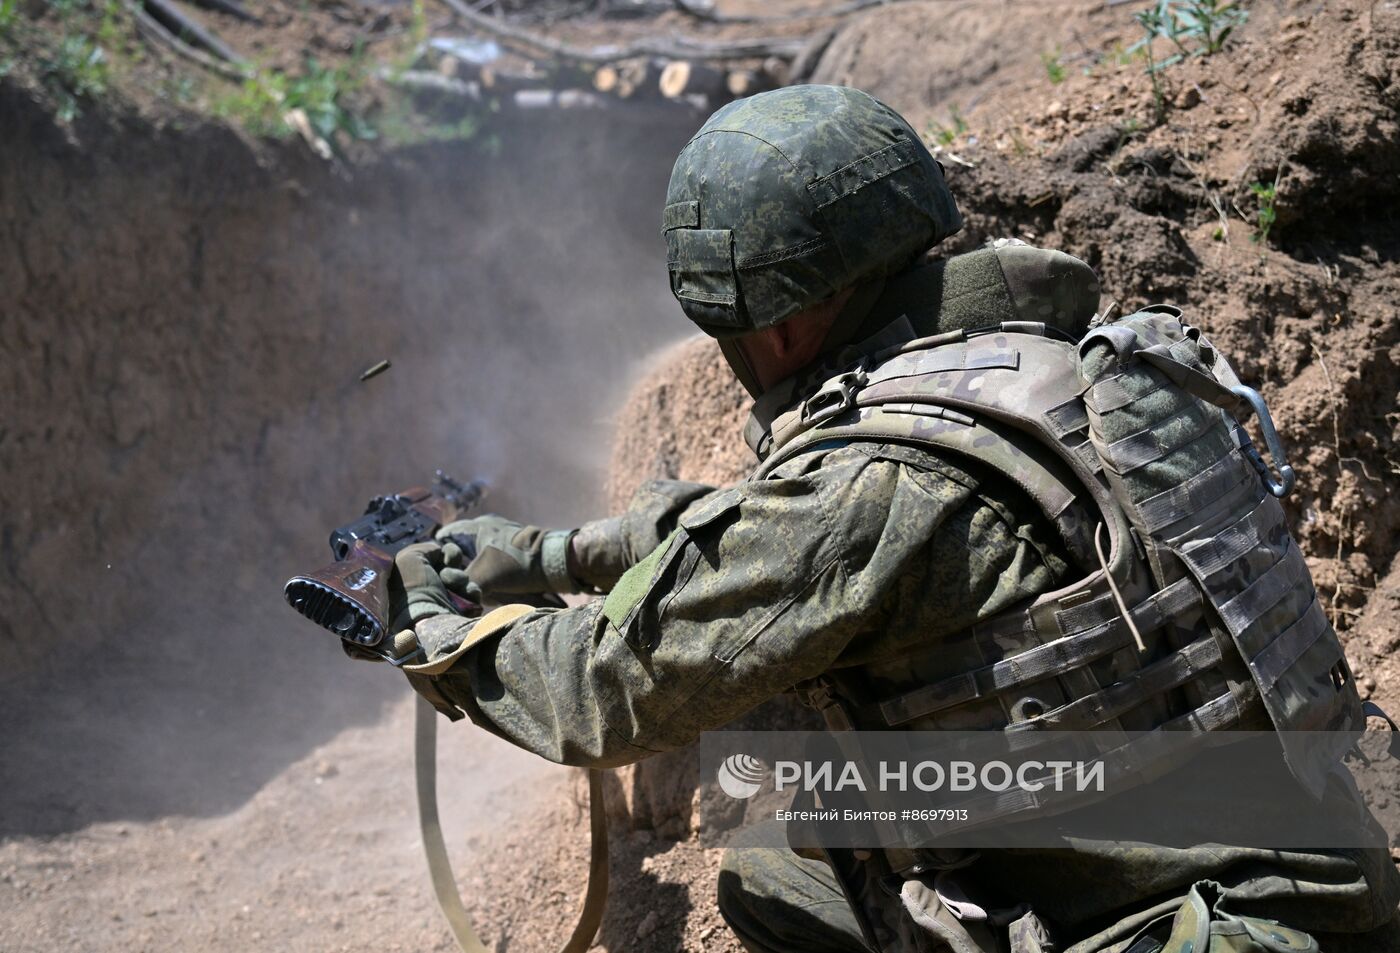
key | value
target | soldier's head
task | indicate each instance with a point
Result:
(783, 207)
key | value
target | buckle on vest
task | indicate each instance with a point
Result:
(836, 396)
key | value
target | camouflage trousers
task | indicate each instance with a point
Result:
(776, 901)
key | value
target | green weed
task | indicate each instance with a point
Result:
(1193, 27)
(9, 14)
(403, 128)
(265, 98)
(1266, 196)
(67, 9)
(1054, 69)
(74, 70)
(946, 135)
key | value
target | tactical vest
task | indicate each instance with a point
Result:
(1195, 611)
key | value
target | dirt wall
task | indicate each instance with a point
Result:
(184, 318)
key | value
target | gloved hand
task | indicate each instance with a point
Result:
(502, 556)
(416, 590)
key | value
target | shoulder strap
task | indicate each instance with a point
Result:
(440, 867)
(1010, 399)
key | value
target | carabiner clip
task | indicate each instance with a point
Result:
(1286, 477)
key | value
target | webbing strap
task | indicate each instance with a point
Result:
(1258, 529)
(1067, 418)
(1163, 675)
(1194, 382)
(1289, 572)
(1212, 483)
(1150, 445)
(1043, 661)
(1151, 613)
(1276, 658)
(440, 867)
(1144, 756)
(1120, 390)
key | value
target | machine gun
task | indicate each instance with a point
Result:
(350, 597)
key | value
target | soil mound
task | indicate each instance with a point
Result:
(681, 422)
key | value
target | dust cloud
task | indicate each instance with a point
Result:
(184, 319)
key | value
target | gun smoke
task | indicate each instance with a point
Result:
(184, 332)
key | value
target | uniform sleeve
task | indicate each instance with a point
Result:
(757, 588)
(605, 549)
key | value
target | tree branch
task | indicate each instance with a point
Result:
(704, 10)
(679, 49)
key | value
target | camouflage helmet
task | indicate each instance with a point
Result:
(783, 199)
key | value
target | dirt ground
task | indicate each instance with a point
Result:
(326, 857)
(313, 845)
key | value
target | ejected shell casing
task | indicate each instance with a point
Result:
(375, 371)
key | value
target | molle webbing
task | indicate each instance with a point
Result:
(1131, 431)
(1197, 501)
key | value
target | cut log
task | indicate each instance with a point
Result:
(746, 82)
(607, 78)
(680, 48)
(683, 78)
(558, 99)
(639, 76)
(428, 81)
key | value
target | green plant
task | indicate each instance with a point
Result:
(1194, 27)
(263, 101)
(66, 9)
(178, 87)
(1054, 69)
(1266, 196)
(9, 13)
(318, 92)
(75, 69)
(945, 135)
(112, 32)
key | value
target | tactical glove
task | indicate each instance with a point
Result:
(502, 556)
(416, 590)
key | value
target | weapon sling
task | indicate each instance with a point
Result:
(440, 868)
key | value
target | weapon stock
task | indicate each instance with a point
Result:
(350, 597)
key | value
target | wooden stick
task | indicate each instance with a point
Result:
(231, 7)
(153, 30)
(177, 21)
(432, 82)
(706, 11)
(677, 50)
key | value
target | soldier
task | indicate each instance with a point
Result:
(797, 224)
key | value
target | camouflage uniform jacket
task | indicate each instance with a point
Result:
(853, 558)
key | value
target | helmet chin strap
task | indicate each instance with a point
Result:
(848, 326)
(739, 363)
